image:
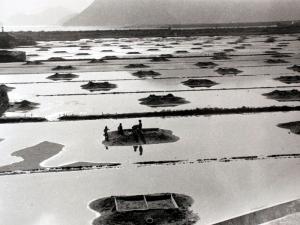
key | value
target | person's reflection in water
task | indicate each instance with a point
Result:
(141, 150)
(135, 148)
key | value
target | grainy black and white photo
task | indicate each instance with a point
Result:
(149, 112)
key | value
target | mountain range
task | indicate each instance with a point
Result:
(163, 12)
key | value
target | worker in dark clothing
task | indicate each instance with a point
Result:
(120, 129)
(141, 150)
(106, 133)
(140, 125)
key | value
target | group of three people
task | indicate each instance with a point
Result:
(136, 130)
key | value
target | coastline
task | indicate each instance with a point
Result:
(155, 32)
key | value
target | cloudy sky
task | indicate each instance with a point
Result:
(9, 8)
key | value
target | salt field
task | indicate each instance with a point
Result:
(229, 163)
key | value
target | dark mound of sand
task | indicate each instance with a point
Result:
(97, 61)
(62, 76)
(295, 68)
(104, 86)
(271, 52)
(199, 83)
(230, 71)
(126, 48)
(274, 61)
(133, 53)
(60, 52)
(64, 68)
(148, 73)
(107, 50)
(43, 49)
(166, 55)
(220, 56)
(294, 127)
(83, 53)
(151, 136)
(110, 57)
(85, 48)
(181, 52)
(159, 59)
(138, 65)
(281, 55)
(152, 49)
(240, 47)
(36, 62)
(159, 210)
(229, 50)
(6, 88)
(205, 65)
(168, 100)
(270, 40)
(56, 59)
(283, 96)
(22, 106)
(289, 79)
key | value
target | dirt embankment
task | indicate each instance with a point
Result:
(172, 216)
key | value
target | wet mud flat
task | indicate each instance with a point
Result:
(35, 155)
(147, 209)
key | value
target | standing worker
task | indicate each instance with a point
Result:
(106, 133)
(120, 129)
(140, 125)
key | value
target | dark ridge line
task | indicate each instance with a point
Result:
(166, 91)
(138, 58)
(154, 78)
(182, 113)
(124, 79)
(4, 120)
(133, 69)
(220, 160)
(60, 169)
(149, 163)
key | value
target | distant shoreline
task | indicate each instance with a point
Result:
(156, 32)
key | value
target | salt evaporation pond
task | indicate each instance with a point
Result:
(221, 190)
(200, 137)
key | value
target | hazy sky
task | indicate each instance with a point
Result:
(13, 7)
